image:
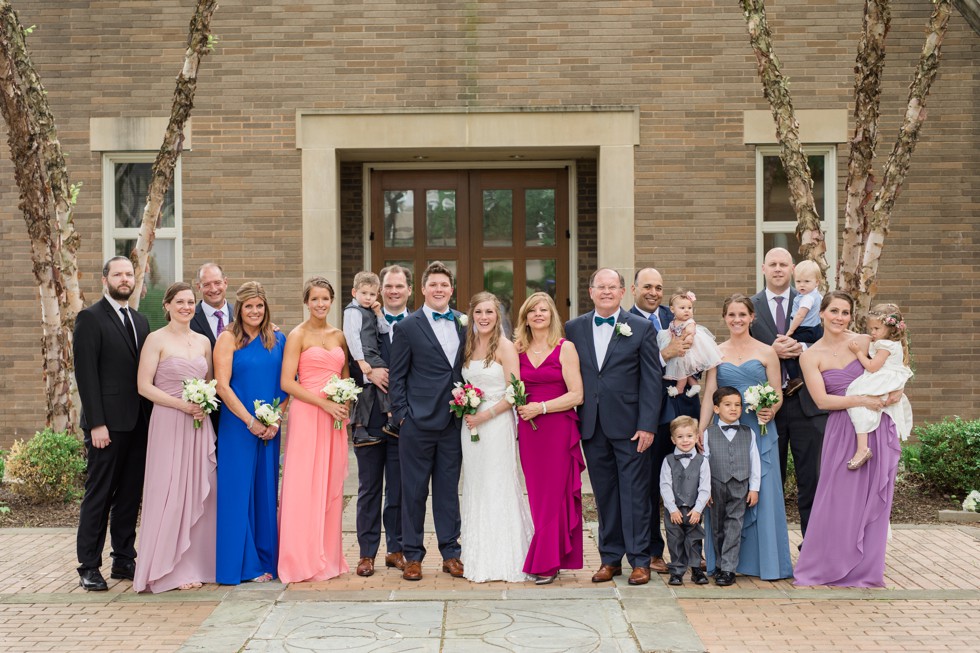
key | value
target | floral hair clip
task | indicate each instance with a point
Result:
(894, 321)
(690, 295)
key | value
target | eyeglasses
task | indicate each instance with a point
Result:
(607, 288)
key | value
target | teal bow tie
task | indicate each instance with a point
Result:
(599, 321)
(394, 318)
(448, 315)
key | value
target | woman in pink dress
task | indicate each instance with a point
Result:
(177, 529)
(550, 456)
(312, 502)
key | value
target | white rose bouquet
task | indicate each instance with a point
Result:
(466, 398)
(760, 396)
(341, 391)
(516, 395)
(972, 502)
(202, 393)
(268, 414)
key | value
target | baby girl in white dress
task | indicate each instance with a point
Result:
(703, 354)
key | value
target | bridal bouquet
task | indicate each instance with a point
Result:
(516, 395)
(760, 396)
(268, 414)
(466, 398)
(340, 391)
(202, 393)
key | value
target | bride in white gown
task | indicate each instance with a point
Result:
(496, 521)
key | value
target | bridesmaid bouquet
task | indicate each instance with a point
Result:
(761, 396)
(466, 398)
(203, 393)
(516, 395)
(268, 414)
(341, 391)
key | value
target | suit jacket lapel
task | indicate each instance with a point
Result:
(620, 319)
(590, 339)
(116, 320)
(762, 312)
(431, 335)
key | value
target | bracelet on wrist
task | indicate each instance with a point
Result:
(493, 412)
(251, 422)
(544, 408)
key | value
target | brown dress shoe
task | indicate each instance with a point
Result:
(640, 576)
(413, 570)
(658, 565)
(396, 560)
(453, 567)
(365, 567)
(606, 573)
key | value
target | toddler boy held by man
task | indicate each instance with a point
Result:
(364, 325)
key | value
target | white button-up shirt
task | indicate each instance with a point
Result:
(602, 335)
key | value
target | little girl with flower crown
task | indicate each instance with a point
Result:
(703, 354)
(886, 370)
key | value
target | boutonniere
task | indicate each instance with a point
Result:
(623, 329)
(463, 319)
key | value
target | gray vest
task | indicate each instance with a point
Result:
(369, 335)
(729, 460)
(685, 481)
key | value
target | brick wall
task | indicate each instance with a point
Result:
(686, 65)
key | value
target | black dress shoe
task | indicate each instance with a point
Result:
(725, 578)
(391, 429)
(91, 580)
(362, 438)
(675, 579)
(123, 570)
(698, 576)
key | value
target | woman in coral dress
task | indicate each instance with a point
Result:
(550, 454)
(310, 546)
(177, 528)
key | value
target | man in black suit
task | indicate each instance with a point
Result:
(213, 313)
(622, 383)
(378, 466)
(107, 342)
(648, 292)
(799, 422)
(426, 360)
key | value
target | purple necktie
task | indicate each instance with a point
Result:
(780, 316)
(221, 321)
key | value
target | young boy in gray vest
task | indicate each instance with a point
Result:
(364, 325)
(685, 487)
(736, 475)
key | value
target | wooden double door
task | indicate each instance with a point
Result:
(505, 231)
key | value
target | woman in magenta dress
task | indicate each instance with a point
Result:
(310, 546)
(177, 527)
(550, 455)
(848, 530)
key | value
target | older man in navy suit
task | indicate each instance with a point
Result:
(426, 360)
(621, 377)
(648, 292)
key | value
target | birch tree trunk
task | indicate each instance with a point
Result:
(867, 101)
(776, 91)
(199, 43)
(897, 167)
(46, 201)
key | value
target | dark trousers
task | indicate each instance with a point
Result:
(684, 542)
(621, 483)
(803, 436)
(435, 456)
(378, 467)
(113, 492)
(727, 514)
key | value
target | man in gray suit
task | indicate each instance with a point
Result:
(799, 422)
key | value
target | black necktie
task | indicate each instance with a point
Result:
(678, 456)
(394, 318)
(129, 327)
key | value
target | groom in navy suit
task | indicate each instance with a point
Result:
(621, 377)
(426, 360)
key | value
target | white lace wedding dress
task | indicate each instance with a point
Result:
(496, 521)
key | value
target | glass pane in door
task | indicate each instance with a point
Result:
(541, 276)
(539, 216)
(399, 218)
(498, 278)
(498, 218)
(440, 218)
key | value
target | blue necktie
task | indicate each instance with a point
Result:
(599, 321)
(394, 318)
(448, 315)
(656, 322)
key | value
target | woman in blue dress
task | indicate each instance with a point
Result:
(247, 366)
(747, 362)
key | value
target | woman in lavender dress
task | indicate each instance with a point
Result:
(846, 537)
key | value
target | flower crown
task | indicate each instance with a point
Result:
(893, 320)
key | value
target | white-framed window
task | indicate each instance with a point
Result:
(125, 181)
(775, 218)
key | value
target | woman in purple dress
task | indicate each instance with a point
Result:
(549, 439)
(848, 529)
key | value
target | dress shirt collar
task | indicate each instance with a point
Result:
(614, 316)
(770, 295)
(212, 311)
(116, 306)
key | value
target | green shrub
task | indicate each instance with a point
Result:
(949, 455)
(49, 467)
(910, 461)
(3, 460)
